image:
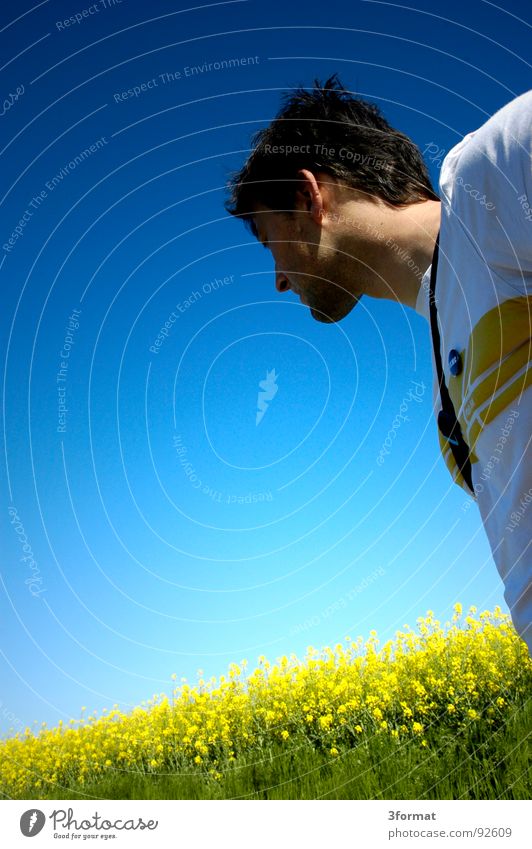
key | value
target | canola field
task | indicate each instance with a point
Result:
(439, 712)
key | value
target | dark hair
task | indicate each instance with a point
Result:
(335, 133)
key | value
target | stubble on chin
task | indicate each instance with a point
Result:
(321, 316)
(327, 317)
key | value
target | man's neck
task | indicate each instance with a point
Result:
(411, 234)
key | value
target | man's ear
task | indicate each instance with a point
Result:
(308, 195)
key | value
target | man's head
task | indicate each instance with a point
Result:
(320, 189)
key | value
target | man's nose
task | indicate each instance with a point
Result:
(281, 281)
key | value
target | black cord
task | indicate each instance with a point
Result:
(447, 422)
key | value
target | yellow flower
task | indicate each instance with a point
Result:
(480, 661)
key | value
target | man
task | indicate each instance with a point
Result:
(345, 204)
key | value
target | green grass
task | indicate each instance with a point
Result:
(480, 762)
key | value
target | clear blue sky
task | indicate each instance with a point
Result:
(165, 529)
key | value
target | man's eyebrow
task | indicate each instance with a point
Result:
(254, 229)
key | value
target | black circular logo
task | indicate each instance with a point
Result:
(32, 822)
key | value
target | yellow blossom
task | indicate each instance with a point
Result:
(420, 680)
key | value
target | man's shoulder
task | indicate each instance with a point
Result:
(486, 187)
(500, 146)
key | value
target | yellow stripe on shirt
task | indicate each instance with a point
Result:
(496, 371)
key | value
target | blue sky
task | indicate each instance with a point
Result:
(166, 530)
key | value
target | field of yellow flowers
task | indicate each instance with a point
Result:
(427, 703)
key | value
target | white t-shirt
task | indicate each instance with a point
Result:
(484, 303)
